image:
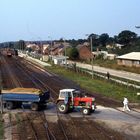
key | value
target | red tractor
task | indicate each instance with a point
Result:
(72, 98)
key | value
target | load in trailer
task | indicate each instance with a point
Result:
(72, 98)
(34, 97)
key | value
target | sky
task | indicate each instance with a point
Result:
(68, 19)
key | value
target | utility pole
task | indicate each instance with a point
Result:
(65, 54)
(91, 55)
(90, 37)
(41, 45)
(50, 51)
(40, 48)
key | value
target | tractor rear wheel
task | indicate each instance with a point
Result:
(62, 107)
(86, 111)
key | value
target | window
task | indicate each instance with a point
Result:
(65, 94)
(62, 95)
(136, 62)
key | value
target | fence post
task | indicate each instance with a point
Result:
(1, 100)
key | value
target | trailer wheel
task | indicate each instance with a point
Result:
(34, 106)
(62, 107)
(86, 111)
(9, 105)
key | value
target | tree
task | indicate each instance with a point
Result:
(95, 39)
(21, 44)
(111, 40)
(81, 41)
(61, 40)
(10, 45)
(116, 39)
(126, 37)
(103, 39)
(73, 53)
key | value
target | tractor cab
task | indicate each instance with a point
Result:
(68, 93)
(72, 98)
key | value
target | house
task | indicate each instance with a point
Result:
(84, 53)
(109, 46)
(59, 48)
(54, 51)
(46, 49)
(59, 60)
(114, 46)
(118, 45)
(130, 59)
(105, 55)
(34, 47)
(111, 56)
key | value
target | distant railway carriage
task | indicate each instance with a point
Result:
(9, 53)
(16, 52)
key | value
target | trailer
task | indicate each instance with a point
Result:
(16, 97)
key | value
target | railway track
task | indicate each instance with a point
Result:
(7, 77)
(40, 129)
(43, 86)
(15, 132)
(39, 84)
(44, 81)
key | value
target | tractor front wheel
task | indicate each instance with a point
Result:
(86, 111)
(62, 107)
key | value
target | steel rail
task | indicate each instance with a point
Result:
(100, 129)
(50, 135)
(33, 129)
(83, 129)
(6, 70)
(15, 82)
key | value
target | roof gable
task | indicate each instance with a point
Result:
(130, 56)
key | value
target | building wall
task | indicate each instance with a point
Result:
(45, 57)
(85, 54)
(59, 61)
(111, 56)
(129, 63)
